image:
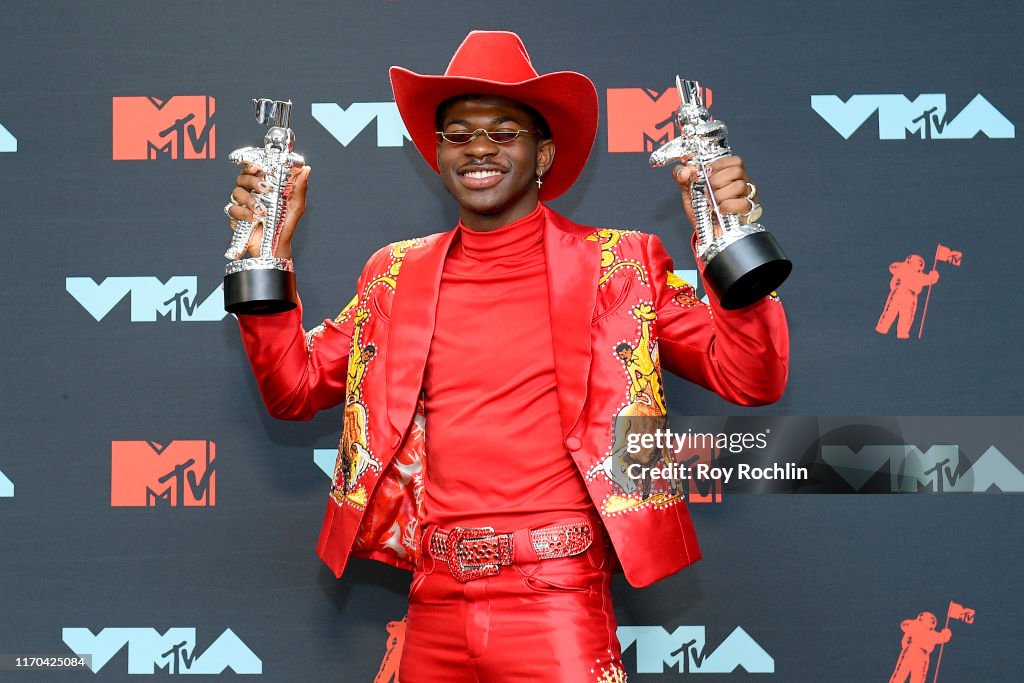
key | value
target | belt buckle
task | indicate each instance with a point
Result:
(461, 570)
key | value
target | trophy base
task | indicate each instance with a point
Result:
(747, 270)
(260, 291)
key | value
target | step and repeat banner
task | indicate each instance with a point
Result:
(155, 521)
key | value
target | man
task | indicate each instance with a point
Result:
(475, 431)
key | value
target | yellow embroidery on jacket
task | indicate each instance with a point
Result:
(610, 262)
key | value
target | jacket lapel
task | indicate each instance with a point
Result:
(573, 268)
(412, 326)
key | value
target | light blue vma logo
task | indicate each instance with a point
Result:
(6, 486)
(324, 458)
(346, 124)
(924, 116)
(173, 652)
(8, 143)
(687, 650)
(151, 299)
(939, 469)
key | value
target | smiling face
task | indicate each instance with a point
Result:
(494, 184)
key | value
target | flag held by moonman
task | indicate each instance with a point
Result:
(944, 253)
(958, 611)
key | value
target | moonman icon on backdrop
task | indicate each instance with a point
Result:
(919, 639)
(489, 416)
(908, 279)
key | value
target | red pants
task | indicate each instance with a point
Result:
(535, 621)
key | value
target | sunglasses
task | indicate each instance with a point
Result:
(501, 137)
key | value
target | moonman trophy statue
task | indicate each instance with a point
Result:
(743, 262)
(264, 284)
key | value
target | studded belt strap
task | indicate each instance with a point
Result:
(473, 553)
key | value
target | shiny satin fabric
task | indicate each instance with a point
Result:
(547, 620)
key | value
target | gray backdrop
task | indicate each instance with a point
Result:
(819, 583)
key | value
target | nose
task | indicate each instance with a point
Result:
(480, 146)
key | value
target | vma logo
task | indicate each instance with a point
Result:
(8, 143)
(688, 651)
(173, 652)
(925, 116)
(179, 127)
(6, 486)
(346, 124)
(641, 119)
(940, 469)
(146, 474)
(176, 300)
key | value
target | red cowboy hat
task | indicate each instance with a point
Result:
(496, 63)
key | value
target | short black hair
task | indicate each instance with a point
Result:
(539, 122)
(623, 346)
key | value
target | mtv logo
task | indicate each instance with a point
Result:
(346, 124)
(641, 119)
(180, 127)
(6, 486)
(146, 474)
(151, 299)
(8, 143)
(687, 650)
(924, 116)
(173, 652)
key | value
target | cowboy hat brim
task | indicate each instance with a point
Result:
(567, 100)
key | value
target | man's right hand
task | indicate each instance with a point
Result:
(251, 182)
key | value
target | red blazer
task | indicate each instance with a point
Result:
(618, 314)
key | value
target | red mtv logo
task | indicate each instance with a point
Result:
(642, 120)
(146, 474)
(179, 127)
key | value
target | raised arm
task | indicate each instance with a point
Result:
(741, 355)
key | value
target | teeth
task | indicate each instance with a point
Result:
(481, 174)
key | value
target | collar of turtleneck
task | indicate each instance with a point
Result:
(512, 242)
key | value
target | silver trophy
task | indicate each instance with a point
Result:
(265, 284)
(744, 262)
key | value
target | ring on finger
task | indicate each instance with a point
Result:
(753, 214)
(751, 191)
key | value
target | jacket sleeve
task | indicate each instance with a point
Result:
(300, 373)
(741, 355)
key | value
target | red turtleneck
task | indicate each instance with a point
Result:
(495, 453)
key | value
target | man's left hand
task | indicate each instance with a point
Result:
(728, 181)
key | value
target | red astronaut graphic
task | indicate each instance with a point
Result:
(920, 638)
(908, 279)
(388, 672)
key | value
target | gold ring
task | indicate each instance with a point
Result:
(751, 191)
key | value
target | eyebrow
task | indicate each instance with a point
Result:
(493, 122)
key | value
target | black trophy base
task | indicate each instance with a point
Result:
(747, 270)
(260, 291)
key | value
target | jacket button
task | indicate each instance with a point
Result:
(573, 443)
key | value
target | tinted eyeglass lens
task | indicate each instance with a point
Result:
(498, 136)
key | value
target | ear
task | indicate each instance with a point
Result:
(545, 156)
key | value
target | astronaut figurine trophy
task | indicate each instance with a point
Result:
(264, 284)
(743, 262)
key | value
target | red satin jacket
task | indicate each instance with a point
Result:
(618, 315)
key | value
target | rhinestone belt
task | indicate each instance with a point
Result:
(475, 553)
